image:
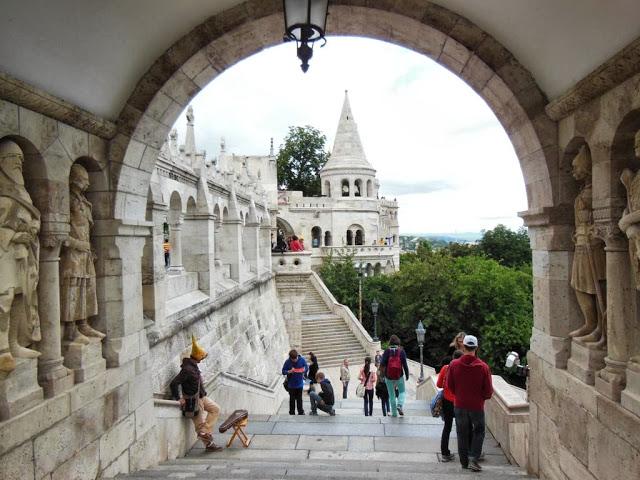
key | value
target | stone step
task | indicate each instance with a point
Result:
(332, 342)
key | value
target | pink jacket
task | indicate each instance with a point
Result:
(373, 378)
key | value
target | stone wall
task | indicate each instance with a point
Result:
(585, 397)
(111, 423)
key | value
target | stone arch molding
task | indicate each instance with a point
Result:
(234, 34)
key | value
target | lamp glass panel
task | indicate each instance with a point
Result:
(318, 15)
(295, 13)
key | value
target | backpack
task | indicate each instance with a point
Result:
(436, 404)
(394, 366)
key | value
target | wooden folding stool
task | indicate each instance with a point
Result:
(238, 420)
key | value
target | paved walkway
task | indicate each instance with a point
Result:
(347, 446)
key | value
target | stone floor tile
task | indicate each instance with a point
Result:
(360, 444)
(312, 442)
(320, 428)
(274, 442)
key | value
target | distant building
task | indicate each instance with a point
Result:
(349, 217)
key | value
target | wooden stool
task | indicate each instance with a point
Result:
(237, 420)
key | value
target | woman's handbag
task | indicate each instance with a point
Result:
(360, 387)
(436, 404)
(285, 384)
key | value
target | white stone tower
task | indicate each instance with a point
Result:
(348, 173)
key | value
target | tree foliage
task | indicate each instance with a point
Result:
(300, 160)
(449, 293)
(507, 247)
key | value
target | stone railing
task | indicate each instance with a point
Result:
(360, 250)
(506, 414)
(293, 263)
(176, 435)
(345, 314)
(507, 417)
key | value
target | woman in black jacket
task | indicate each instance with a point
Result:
(313, 367)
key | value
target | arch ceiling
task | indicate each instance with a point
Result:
(94, 52)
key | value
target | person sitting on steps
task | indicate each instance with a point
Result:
(323, 400)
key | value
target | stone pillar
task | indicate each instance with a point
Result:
(176, 244)
(199, 252)
(53, 376)
(620, 313)
(232, 251)
(252, 246)
(154, 278)
(119, 247)
(265, 246)
(555, 309)
(291, 293)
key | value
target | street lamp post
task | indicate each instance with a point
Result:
(374, 309)
(420, 331)
(360, 296)
(305, 23)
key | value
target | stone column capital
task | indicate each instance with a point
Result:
(609, 232)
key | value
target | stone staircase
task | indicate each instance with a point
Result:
(347, 446)
(326, 334)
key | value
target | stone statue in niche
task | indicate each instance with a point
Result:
(589, 263)
(630, 221)
(78, 289)
(19, 255)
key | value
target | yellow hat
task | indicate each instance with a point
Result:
(197, 352)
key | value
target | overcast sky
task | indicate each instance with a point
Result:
(437, 147)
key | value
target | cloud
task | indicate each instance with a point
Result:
(401, 187)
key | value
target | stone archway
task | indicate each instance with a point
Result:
(224, 39)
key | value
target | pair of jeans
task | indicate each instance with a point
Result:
(368, 402)
(295, 399)
(315, 403)
(384, 401)
(470, 427)
(345, 385)
(393, 401)
(447, 417)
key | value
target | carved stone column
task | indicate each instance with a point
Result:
(199, 252)
(53, 376)
(176, 245)
(620, 312)
(154, 278)
(252, 246)
(265, 245)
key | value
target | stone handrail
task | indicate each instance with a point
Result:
(291, 263)
(345, 313)
(506, 414)
(507, 417)
(357, 250)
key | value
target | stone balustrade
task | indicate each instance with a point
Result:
(293, 263)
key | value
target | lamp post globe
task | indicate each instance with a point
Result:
(420, 333)
(305, 22)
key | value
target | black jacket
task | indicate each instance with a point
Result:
(189, 378)
(327, 392)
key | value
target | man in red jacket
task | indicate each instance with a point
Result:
(469, 379)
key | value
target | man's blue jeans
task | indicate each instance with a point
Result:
(315, 403)
(469, 425)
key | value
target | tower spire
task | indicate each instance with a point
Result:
(190, 140)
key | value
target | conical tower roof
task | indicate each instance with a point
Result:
(347, 148)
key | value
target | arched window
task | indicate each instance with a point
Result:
(377, 270)
(359, 237)
(349, 237)
(327, 238)
(345, 187)
(327, 188)
(357, 188)
(316, 237)
(369, 188)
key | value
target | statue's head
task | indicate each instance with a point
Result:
(582, 164)
(79, 178)
(636, 144)
(11, 158)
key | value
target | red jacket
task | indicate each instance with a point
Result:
(469, 379)
(441, 383)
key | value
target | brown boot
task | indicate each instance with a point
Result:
(212, 447)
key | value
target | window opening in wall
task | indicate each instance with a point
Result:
(345, 188)
(327, 238)
(349, 237)
(316, 237)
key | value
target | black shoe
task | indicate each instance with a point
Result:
(292, 413)
(332, 412)
(400, 412)
(444, 458)
(300, 413)
(474, 466)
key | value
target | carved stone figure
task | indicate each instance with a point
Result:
(78, 289)
(589, 262)
(19, 255)
(630, 221)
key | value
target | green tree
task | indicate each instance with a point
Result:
(300, 160)
(507, 247)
